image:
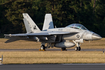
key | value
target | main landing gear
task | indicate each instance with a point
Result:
(63, 49)
(78, 49)
(42, 47)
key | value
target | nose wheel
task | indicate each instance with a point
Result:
(78, 49)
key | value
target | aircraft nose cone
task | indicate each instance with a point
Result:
(96, 36)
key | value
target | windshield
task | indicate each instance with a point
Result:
(77, 26)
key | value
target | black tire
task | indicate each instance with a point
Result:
(63, 49)
(43, 47)
(78, 49)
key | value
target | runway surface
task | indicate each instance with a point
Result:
(53, 67)
(48, 50)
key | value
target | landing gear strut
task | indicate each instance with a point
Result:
(78, 48)
(63, 49)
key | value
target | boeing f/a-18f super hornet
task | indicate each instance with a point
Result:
(63, 38)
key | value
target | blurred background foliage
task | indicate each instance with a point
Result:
(90, 13)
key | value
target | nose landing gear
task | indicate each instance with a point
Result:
(78, 49)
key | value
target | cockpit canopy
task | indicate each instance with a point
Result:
(77, 26)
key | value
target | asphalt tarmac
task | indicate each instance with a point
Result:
(48, 50)
(53, 67)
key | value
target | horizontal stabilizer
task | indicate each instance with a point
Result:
(14, 38)
(10, 40)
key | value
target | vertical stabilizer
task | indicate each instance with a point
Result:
(31, 27)
(48, 22)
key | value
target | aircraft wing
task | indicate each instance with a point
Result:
(50, 33)
(43, 33)
(10, 35)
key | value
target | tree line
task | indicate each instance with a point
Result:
(90, 13)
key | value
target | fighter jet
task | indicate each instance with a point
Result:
(65, 37)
